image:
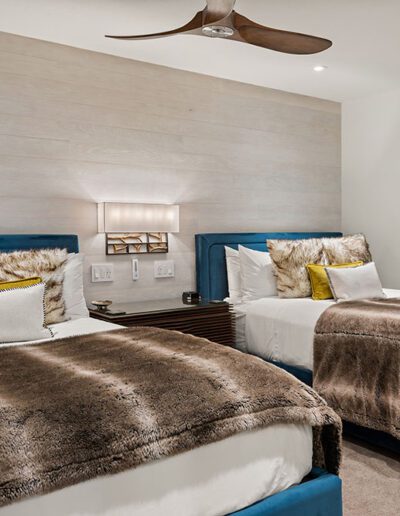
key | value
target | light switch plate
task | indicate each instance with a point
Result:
(102, 272)
(164, 269)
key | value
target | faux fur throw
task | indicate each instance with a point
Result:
(48, 264)
(85, 406)
(357, 362)
(291, 257)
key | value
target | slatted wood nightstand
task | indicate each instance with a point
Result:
(213, 321)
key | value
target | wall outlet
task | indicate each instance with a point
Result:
(135, 269)
(102, 272)
(164, 269)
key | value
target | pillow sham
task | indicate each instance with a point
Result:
(75, 304)
(22, 314)
(233, 274)
(355, 283)
(7, 285)
(320, 288)
(290, 258)
(44, 263)
(346, 249)
(256, 274)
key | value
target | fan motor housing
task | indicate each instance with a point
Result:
(217, 31)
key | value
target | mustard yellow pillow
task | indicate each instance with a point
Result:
(319, 279)
(28, 282)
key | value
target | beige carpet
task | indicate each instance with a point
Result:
(371, 482)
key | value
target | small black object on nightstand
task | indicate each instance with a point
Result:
(191, 298)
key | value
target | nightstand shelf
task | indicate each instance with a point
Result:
(213, 321)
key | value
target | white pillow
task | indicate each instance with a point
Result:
(22, 314)
(355, 282)
(256, 272)
(233, 271)
(74, 300)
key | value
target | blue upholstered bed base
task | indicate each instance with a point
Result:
(319, 495)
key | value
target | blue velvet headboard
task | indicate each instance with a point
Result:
(9, 243)
(210, 256)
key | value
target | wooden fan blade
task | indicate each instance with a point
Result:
(279, 40)
(192, 27)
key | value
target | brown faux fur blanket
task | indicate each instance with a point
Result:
(357, 362)
(85, 406)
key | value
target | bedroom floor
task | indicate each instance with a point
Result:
(371, 482)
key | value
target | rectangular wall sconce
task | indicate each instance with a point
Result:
(137, 228)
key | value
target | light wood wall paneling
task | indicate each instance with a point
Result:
(78, 127)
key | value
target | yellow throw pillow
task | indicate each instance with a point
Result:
(28, 282)
(319, 279)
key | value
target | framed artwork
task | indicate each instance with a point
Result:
(136, 243)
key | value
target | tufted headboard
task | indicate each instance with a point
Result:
(210, 256)
(10, 243)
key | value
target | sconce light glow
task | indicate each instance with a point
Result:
(319, 68)
(114, 217)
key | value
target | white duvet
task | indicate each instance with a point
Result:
(211, 480)
(282, 329)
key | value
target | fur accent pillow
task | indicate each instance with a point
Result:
(47, 264)
(290, 258)
(347, 249)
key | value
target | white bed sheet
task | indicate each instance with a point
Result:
(283, 329)
(240, 311)
(81, 326)
(212, 480)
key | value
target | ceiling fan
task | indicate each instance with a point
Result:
(219, 20)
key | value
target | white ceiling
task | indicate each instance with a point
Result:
(364, 58)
